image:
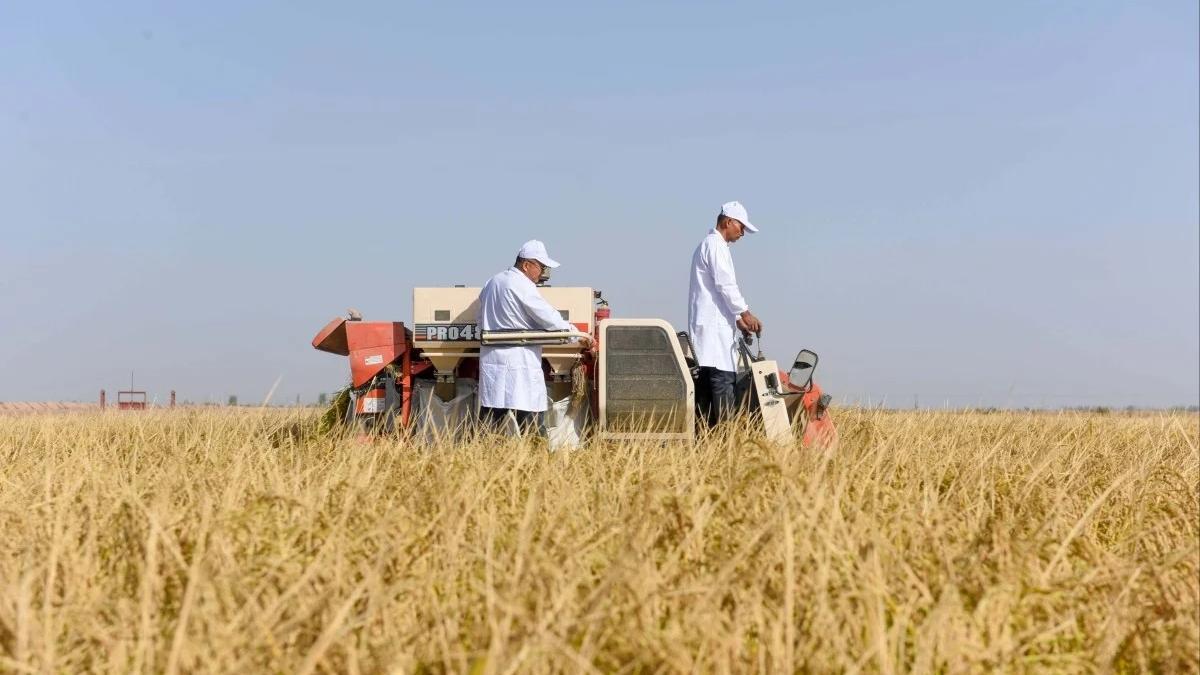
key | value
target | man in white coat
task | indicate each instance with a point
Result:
(717, 311)
(510, 378)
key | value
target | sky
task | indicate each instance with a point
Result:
(960, 204)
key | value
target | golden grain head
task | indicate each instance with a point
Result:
(210, 541)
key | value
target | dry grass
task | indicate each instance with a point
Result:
(205, 541)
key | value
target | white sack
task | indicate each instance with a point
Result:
(564, 427)
(433, 418)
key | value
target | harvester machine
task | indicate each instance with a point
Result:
(636, 381)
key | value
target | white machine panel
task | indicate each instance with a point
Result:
(645, 388)
(446, 330)
(770, 404)
(445, 318)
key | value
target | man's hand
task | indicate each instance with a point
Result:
(585, 341)
(748, 323)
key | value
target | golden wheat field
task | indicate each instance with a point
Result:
(234, 542)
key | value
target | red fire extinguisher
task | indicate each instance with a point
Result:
(602, 313)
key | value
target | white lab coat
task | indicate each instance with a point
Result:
(511, 377)
(714, 303)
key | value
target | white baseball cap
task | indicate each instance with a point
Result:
(536, 250)
(736, 211)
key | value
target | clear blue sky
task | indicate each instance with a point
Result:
(976, 203)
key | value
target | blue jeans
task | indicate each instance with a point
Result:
(715, 394)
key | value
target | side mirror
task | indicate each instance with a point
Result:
(801, 373)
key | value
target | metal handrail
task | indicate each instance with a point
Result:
(531, 337)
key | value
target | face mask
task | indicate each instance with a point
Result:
(544, 275)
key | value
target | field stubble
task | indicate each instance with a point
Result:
(240, 542)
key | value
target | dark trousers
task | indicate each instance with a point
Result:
(715, 394)
(527, 420)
